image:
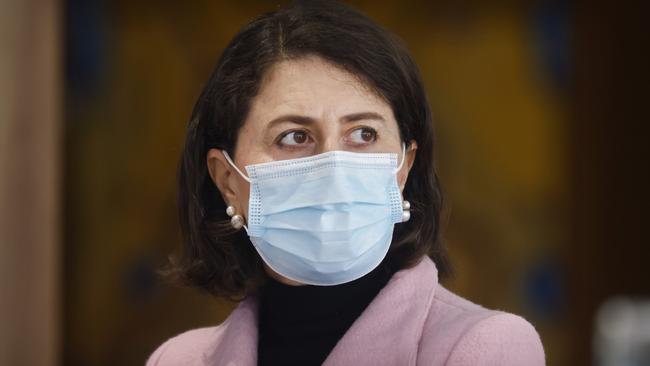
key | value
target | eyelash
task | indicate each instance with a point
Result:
(361, 128)
(287, 133)
(364, 128)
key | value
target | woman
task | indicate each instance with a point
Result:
(307, 189)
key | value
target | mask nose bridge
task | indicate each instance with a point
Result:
(399, 167)
(232, 163)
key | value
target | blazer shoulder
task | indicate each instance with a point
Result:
(185, 348)
(499, 339)
(459, 332)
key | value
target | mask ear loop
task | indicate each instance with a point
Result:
(401, 163)
(232, 164)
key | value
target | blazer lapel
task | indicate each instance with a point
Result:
(238, 343)
(388, 331)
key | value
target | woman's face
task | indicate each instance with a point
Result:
(304, 107)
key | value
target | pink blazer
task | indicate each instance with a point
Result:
(412, 321)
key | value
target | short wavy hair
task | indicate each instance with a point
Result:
(223, 261)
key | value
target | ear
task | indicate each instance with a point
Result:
(403, 174)
(222, 175)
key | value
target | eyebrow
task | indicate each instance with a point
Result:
(304, 120)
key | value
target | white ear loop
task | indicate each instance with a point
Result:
(225, 153)
(401, 163)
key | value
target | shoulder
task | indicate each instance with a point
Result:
(499, 339)
(185, 348)
(459, 332)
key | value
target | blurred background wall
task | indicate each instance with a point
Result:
(31, 95)
(542, 152)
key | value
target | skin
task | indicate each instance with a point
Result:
(304, 107)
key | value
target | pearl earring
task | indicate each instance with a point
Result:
(237, 221)
(406, 213)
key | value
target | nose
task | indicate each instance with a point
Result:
(331, 139)
(330, 143)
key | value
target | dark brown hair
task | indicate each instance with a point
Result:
(222, 261)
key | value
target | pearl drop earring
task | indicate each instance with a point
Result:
(406, 213)
(237, 221)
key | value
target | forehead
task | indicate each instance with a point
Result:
(313, 87)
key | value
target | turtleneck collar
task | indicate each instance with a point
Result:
(301, 324)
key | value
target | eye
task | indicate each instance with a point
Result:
(294, 138)
(363, 135)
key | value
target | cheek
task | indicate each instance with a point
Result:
(242, 197)
(401, 178)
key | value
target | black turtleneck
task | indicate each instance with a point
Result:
(299, 325)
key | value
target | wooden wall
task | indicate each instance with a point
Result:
(30, 187)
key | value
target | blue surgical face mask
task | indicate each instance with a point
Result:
(325, 219)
